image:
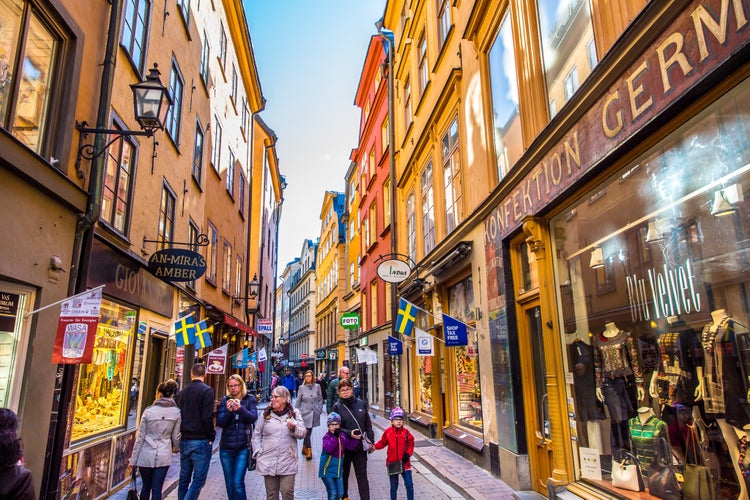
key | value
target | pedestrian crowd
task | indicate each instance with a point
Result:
(265, 442)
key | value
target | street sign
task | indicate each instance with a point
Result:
(349, 320)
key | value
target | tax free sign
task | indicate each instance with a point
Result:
(350, 321)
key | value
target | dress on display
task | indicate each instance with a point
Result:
(725, 366)
(582, 361)
(681, 353)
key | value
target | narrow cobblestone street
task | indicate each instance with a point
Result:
(438, 473)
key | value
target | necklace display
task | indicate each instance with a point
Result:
(742, 445)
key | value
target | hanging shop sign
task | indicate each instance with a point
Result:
(265, 326)
(394, 270)
(76, 328)
(320, 354)
(217, 360)
(333, 355)
(349, 320)
(177, 264)
(395, 346)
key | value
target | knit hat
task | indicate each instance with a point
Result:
(333, 418)
(397, 412)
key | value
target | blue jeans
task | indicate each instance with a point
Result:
(334, 487)
(234, 464)
(153, 481)
(195, 457)
(407, 482)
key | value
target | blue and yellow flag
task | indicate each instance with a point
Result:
(203, 334)
(407, 313)
(184, 331)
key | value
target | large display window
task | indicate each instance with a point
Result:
(101, 403)
(469, 393)
(652, 274)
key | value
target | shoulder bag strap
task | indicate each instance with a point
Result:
(354, 418)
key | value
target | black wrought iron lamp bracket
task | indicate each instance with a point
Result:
(200, 241)
(88, 151)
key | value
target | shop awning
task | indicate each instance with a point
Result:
(229, 320)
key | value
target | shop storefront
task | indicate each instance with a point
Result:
(132, 354)
(641, 342)
(663, 284)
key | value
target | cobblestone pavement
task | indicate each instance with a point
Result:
(439, 474)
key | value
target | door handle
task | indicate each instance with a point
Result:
(542, 421)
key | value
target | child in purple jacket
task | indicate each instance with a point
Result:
(334, 444)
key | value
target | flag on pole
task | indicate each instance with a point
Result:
(184, 331)
(203, 334)
(395, 346)
(262, 354)
(407, 313)
(455, 332)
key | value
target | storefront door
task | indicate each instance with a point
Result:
(536, 399)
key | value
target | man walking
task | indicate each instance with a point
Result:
(196, 402)
(290, 382)
(333, 386)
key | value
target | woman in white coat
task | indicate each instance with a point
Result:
(310, 404)
(275, 444)
(158, 437)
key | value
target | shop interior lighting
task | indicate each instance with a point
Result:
(657, 228)
(726, 199)
(597, 258)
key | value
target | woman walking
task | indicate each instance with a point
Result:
(158, 437)
(310, 404)
(237, 414)
(275, 444)
(356, 423)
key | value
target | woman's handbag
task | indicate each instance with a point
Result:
(626, 473)
(132, 492)
(698, 481)
(251, 462)
(366, 443)
(662, 478)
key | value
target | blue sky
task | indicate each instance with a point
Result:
(309, 55)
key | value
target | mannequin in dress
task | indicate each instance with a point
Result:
(676, 378)
(726, 344)
(615, 358)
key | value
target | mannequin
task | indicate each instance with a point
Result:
(646, 432)
(726, 344)
(615, 358)
(680, 354)
(589, 410)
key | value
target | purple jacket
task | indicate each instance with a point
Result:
(331, 444)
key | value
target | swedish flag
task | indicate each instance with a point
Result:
(184, 331)
(203, 334)
(407, 313)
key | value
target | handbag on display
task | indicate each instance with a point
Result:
(698, 481)
(663, 481)
(626, 473)
(251, 462)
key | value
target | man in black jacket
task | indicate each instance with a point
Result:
(196, 402)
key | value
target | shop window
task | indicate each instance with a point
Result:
(506, 117)
(652, 268)
(102, 395)
(469, 403)
(28, 61)
(13, 340)
(567, 38)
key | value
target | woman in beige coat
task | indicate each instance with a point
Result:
(275, 444)
(158, 437)
(310, 404)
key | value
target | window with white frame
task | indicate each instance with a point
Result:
(226, 284)
(223, 48)
(444, 20)
(423, 65)
(407, 104)
(205, 53)
(411, 228)
(174, 115)
(230, 174)
(428, 210)
(211, 253)
(198, 154)
(118, 184)
(451, 176)
(216, 152)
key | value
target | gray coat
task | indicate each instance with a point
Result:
(310, 404)
(275, 446)
(158, 435)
